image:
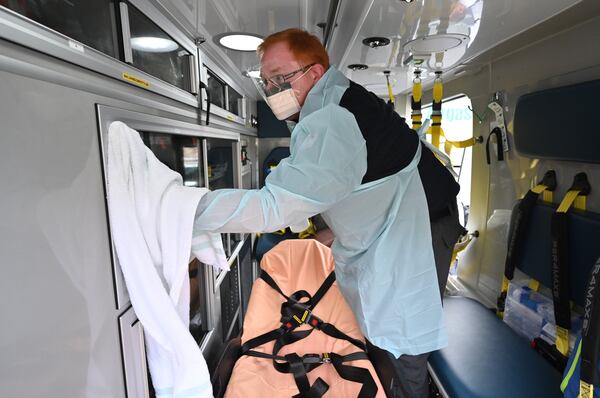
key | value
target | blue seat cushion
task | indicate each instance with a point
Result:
(487, 359)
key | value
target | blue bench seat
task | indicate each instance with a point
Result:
(487, 359)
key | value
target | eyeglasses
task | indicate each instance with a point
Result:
(281, 78)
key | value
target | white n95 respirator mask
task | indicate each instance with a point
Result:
(284, 103)
(277, 92)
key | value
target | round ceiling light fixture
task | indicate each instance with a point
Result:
(238, 41)
(375, 41)
(435, 43)
(153, 44)
(355, 67)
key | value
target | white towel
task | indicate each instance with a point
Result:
(151, 216)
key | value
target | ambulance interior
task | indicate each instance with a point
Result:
(507, 91)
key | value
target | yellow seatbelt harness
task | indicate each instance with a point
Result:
(575, 197)
(389, 86)
(415, 101)
(519, 231)
(435, 130)
(436, 110)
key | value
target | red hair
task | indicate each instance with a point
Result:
(307, 48)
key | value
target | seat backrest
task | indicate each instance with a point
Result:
(584, 248)
(567, 134)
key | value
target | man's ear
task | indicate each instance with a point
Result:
(317, 71)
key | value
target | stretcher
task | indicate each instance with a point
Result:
(300, 338)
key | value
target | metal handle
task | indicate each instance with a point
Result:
(126, 32)
(193, 79)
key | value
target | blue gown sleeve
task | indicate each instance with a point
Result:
(328, 161)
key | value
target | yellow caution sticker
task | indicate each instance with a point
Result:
(135, 80)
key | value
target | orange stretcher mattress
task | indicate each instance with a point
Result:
(295, 265)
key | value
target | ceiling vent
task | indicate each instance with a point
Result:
(375, 42)
(358, 67)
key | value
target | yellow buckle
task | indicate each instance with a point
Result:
(304, 317)
(586, 390)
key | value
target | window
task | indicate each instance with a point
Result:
(234, 101)
(156, 53)
(216, 90)
(223, 95)
(221, 171)
(457, 123)
(220, 163)
(182, 154)
(92, 23)
(198, 301)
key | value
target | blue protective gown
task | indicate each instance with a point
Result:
(385, 266)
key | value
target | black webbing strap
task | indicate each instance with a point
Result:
(355, 374)
(560, 261)
(299, 371)
(520, 224)
(590, 332)
(296, 311)
(500, 152)
(560, 269)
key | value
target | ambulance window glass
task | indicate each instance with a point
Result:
(220, 174)
(220, 163)
(216, 89)
(457, 123)
(92, 23)
(198, 310)
(234, 101)
(155, 52)
(180, 153)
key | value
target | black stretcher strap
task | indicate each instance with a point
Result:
(560, 257)
(521, 223)
(560, 269)
(590, 332)
(356, 374)
(296, 311)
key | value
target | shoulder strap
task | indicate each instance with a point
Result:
(560, 260)
(296, 311)
(520, 225)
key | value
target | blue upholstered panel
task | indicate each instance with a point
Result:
(486, 359)
(584, 244)
(560, 119)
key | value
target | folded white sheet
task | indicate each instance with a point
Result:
(151, 217)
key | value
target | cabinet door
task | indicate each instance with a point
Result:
(134, 355)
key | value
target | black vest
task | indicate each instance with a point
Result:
(391, 145)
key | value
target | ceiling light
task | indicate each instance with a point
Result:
(435, 43)
(375, 42)
(239, 41)
(358, 66)
(153, 44)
